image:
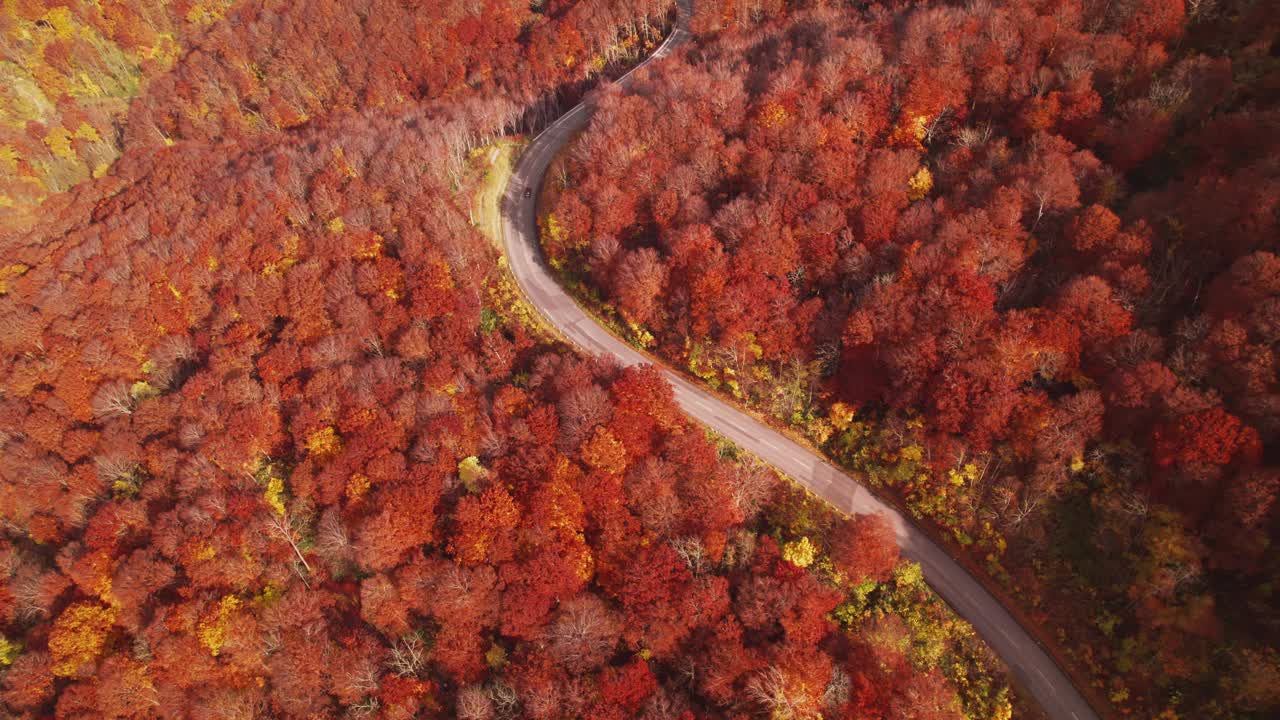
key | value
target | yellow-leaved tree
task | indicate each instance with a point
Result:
(79, 636)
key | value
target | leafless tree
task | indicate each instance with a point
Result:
(691, 551)
(408, 656)
(270, 642)
(114, 467)
(363, 677)
(1183, 574)
(234, 704)
(1135, 504)
(505, 699)
(474, 703)
(778, 700)
(583, 633)
(1202, 9)
(752, 483)
(367, 707)
(113, 398)
(1168, 95)
(740, 548)
(281, 525)
(661, 706)
(332, 540)
(936, 126)
(837, 692)
(580, 410)
(27, 591)
(1021, 511)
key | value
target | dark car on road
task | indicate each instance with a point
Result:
(528, 192)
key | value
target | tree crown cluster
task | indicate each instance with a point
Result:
(1034, 241)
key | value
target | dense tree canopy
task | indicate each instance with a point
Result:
(275, 441)
(245, 70)
(303, 477)
(1016, 259)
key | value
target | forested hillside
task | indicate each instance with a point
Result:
(1014, 261)
(277, 438)
(244, 71)
(67, 73)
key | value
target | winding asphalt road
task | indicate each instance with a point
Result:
(1029, 663)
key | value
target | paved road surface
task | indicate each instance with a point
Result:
(1033, 668)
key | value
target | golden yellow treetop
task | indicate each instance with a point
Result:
(79, 636)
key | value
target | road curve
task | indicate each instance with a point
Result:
(1033, 668)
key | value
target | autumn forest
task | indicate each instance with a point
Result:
(284, 435)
